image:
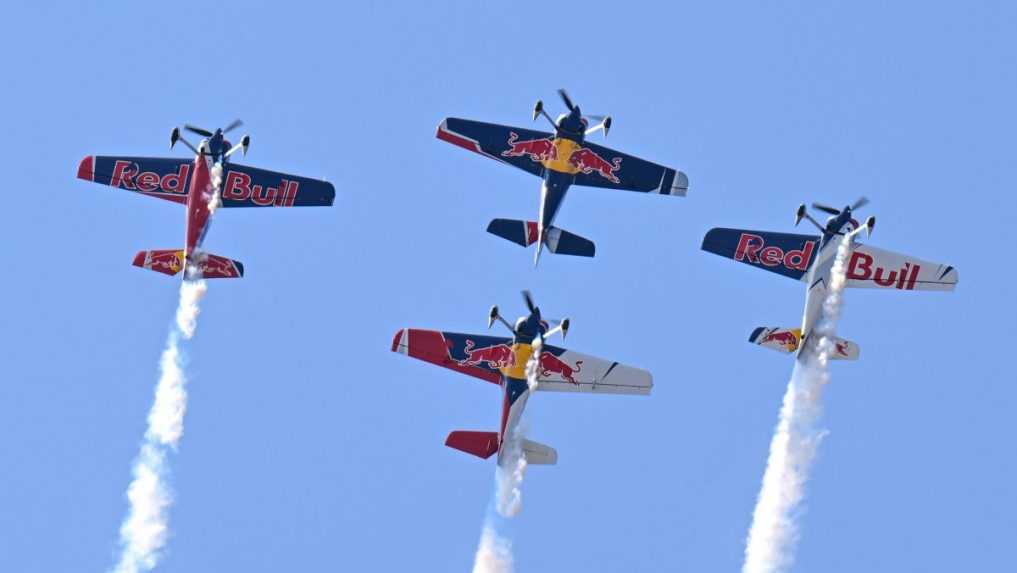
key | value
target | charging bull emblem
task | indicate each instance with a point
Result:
(551, 364)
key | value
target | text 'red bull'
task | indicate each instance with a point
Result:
(754, 249)
(238, 188)
(126, 176)
(860, 268)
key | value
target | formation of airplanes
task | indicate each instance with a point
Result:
(522, 362)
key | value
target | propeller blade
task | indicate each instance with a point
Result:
(565, 98)
(595, 117)
(197, 130)
(861, 202)
(825, 209)
(529, 301)
(236, 123)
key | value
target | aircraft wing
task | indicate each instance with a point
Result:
(599, 166)
(564, 370)
(878, 268)
(245, 186)
(471, 354)
(786, 254)
(161, 177)
(518, 147)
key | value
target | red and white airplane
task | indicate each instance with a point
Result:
(503, 361)
(203, 185)
(810, 258)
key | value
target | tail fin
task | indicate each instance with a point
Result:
(481, 444)
(788, 340)
(539, 454)
(171, 262)
(558, 241)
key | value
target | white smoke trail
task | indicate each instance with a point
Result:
(494, 554)
(144, 531)
(774, 531)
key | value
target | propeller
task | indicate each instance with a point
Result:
(861, 202)
(825, 209)
(197, 130)
(206, 133)
(565, 98)
(528, 298)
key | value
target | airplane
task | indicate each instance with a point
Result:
(503, 361)
(208, 182)
(810, 258)
(561, 159)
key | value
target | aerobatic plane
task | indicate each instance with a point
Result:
(191, 184)
(810, 258)
(562, 159)
(503, 361)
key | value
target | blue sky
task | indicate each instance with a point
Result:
(308, 444)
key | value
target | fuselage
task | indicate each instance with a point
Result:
(515, 386)
(819, 276)
(198, 212)
(559, 173)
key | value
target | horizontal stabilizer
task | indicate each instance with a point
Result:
(539, 454)
(565, 243)
(558, 241)
(523, 233)
(480, 444)
(788, 340)
(171, 262)
(165, 261)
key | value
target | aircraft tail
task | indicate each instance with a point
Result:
(788, 340)
(171, 262)
(558, 241)
(481, 444)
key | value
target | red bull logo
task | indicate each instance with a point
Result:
(860, 268)
(164, 261)
(753, 248)
(127, 175)
(495, 356)
(842, 348)
(238, 188)
(587, 161)
(786, 338)
(536, 149)
(551, 364)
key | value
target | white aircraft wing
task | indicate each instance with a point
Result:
(568, 371)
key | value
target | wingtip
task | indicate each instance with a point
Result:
(86, 168)
(399, 342)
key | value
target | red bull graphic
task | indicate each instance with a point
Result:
(127, 175)
(164, 261)
(860, 268)
(537, 149)
(496, 356)
(587, 161)
(551, 364)
(753, 248)
(238, 188)
(842, 348)
(786, 338)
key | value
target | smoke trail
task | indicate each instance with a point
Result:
(774, 531)
(144, 530)
(494, 554)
